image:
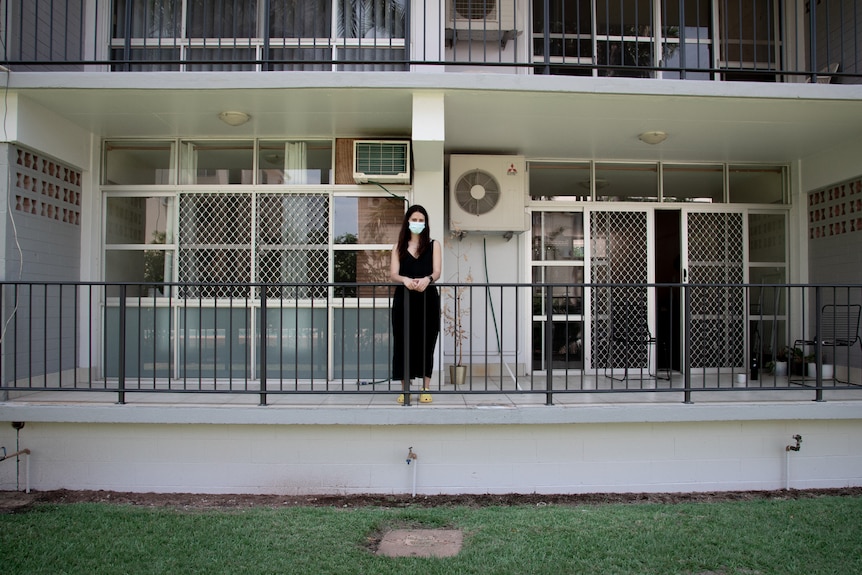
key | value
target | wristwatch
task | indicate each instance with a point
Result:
(431, 279)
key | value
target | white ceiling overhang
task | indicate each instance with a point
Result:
(537, 116)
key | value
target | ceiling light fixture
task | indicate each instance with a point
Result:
(653, 137)
(234, 118)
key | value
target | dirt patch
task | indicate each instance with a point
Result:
(228, 501)
(421, 543)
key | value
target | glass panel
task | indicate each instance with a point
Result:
(222, 19)
(627, 182)
(566, 342)
(767, 238)
(569, 29)
(148, 18)
(559, 181)
(567, 297)
(162, 56)
(624, 36)
(214, 342)
(139, 163)
(300, 19)
(362, 266)
(288, 162)
(746, 35)
(686, 45)
(138, 220)
(368, 220)
(148, 341)
(362, 349)
(756, 185)
(300, 59)
(215, 162)
(143, 266)
(698, 184)
(558, 236)
(296, 343)
(222, 59)
(378, 58)
(371, 20)
(766, 299)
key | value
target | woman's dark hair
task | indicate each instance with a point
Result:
(404, 234)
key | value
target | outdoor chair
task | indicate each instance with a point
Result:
(630, 344)
(839, 327)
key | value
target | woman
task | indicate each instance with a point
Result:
(416, 263)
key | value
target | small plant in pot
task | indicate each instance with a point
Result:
(811, 362)
(779, 366)
(456, 312)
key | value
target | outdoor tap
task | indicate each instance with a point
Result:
(411, 457)
(796, 447)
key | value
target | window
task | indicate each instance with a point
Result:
(756, 184)
(638, 38)
(558, 258)
(692, 183)
(245, 211)
(259, 34)
(686, 39)
(138, 241)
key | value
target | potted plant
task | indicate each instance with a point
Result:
(779, 366)
(827, 368)
(455, 311)
(795, 364)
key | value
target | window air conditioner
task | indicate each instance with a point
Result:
(383, 161)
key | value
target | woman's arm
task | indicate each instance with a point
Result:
(395, 268)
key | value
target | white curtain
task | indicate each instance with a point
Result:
(295, 163)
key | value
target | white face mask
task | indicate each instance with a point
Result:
(417, 227)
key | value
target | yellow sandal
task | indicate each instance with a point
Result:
(425, 397)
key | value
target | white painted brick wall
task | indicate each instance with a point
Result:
(553, 458)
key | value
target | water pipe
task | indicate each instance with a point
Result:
(412, 458)
(787, 451)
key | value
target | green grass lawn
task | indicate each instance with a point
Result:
(805, 536)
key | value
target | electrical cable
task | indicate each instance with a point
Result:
(9, 209)
(379, 185)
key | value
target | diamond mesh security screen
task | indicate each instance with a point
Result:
(292, 243)
(715, 255)
(619, 256)
(214, 244)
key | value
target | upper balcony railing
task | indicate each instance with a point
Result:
(755, 40)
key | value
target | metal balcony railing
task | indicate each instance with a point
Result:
(520, 340)
(759, 40)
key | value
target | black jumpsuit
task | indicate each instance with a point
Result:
(423, 319)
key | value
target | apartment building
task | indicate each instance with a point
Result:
(194, 149)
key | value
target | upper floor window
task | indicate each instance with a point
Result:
(651, 38)
(259, 34)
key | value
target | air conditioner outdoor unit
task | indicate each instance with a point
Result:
(486, 193)
(383, 161)
(480, 16)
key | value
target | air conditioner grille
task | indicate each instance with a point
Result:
(475, 9)
(384, 158)
(477, 192)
